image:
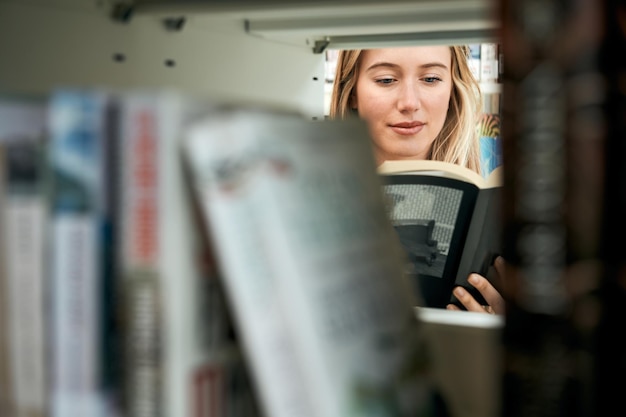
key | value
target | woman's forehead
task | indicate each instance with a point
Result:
(408, 54)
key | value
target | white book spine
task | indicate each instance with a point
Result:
(489, 62)
(76, 311)
(141, 251)
(75, 157)
(25, 224)
(230, 199)
(23, 341)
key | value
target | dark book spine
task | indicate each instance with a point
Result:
(553, 145)
(610, 357)
(111, 298)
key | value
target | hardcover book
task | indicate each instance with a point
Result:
(448, 221)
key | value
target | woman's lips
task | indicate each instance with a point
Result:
(408, 128)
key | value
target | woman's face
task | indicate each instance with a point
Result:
(403, 94)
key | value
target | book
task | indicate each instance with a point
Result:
(470, 382)
(23, 281)
(179, 359)
(488, 62)
(24, 212)
(76, 160)
(233, 229)
(140, 280)
(23, 344)
(311, 264)
(6, 394)
(474, 60)
(447, 219)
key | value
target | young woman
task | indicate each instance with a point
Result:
(420, 102)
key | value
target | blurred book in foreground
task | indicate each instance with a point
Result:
(311, 264)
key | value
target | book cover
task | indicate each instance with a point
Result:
(448, 221)
(311, 263)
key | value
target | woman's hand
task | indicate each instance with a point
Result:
(492, 296)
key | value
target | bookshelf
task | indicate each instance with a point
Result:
(234, 50)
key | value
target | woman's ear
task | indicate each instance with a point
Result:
(353, 101)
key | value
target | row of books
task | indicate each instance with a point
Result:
(110, 305)
(168, 256)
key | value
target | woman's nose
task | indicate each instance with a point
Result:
(408, 99)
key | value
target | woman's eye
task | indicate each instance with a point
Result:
(385, 80)
(431, 80)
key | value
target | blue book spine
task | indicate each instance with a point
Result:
(77, 121)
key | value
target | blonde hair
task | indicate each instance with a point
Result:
(458, 141)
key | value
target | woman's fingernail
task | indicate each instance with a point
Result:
(473, 279)
(459, 291)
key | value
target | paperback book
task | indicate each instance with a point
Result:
(448, 221)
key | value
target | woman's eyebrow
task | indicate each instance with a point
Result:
(427, 65)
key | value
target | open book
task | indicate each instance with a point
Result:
(311, 264)
(447, 217)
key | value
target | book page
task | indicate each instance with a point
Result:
(435, 168)
(431, 216)
(339, 272)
